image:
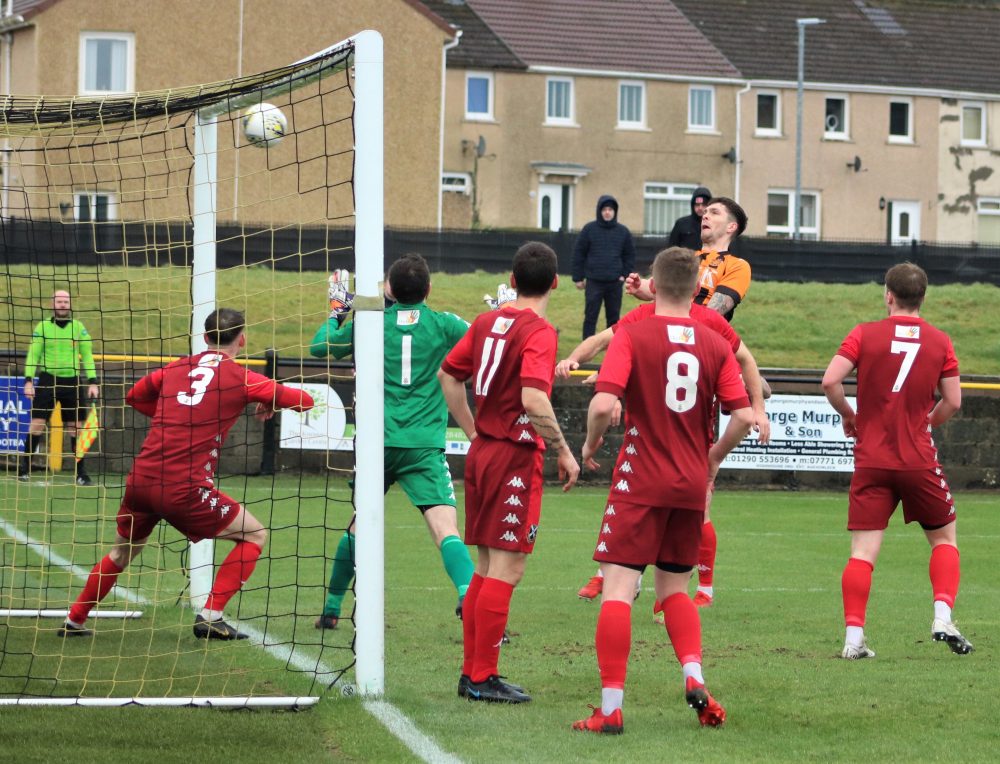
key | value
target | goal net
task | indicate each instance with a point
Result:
(151, 210)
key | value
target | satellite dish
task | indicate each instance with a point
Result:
(855, 165)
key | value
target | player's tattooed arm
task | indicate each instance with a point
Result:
(721, 303)
(538, 407)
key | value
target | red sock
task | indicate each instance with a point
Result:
(100, 581)
(680, 616)
(492, 608)
(945, 572)
(613, 641)
(469, 622)
(233, 573)
(706, 554)
(856, 584)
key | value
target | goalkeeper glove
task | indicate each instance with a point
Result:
(341, 301)
(505, 294)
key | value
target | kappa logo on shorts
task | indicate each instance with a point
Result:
(622, 485)
(204, 493)
(509, 536)
(516, 482)
(631, 450)
(610, 510)
(943, 483)
(214, 453)
(606, 528)
(511, 519)
(525, 435)
(633, 431)
(532, 532)
(208, 467)
(513, 501)
(213, 502)
(224, 510)
(602, 547)
(626, 467)
(523, 419)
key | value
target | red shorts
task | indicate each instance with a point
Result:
(503, 495)
(637, 534)
(876, 492)
(197, 511)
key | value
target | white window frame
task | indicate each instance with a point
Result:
(840, 135)
(629, 124)
(962, 106)
(672, 192)
(570, 119)
(699, 128)
(788, 230)
(92, 202)
(769, 132)
(988, 206)
(462, 182)
(129, 39)
(480, 116)
(908, 138)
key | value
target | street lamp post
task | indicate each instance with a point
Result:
(797, 201)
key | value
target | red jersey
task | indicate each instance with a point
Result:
(710, 318)
(194, 402)
(669, 370)
(503, 351)
(900, 361)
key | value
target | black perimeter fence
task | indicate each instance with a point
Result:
(462, 251)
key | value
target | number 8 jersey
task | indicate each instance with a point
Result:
(194, 402)
(669, 371)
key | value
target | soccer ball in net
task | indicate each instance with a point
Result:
(264, 125)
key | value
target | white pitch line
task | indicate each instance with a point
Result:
(394, 720)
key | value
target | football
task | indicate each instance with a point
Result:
(264, 125)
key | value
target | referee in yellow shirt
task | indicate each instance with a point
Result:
(61, 349)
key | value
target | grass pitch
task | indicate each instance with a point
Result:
(771, 644)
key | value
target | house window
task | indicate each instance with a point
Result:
(559, 101)
(478, 95)
(631, 104)
(973, 124)
(663, 204)
(900, 121)
(768, 114)
(988, 213)
(107, 63)
(456, 182)
(835, 119)
(779, 214)
(701, 108)
(94, 207)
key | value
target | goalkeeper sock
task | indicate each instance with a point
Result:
(457, 563)
(856, 585)
(233, 573)
(100, 581)
(341, 575)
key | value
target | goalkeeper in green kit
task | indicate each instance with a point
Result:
(417, 339)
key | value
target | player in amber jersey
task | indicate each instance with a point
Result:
(670, 370)
(590, 347)
(417, 338)
(509, 357)
(193, 403)
(902, 361)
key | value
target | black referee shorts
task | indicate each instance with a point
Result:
(66, 390)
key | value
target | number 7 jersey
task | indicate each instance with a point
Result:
(900, 361)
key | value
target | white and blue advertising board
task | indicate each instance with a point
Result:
(15, 415)
(806, 435)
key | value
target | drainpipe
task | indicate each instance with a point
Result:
(444, 65)
(739, 135)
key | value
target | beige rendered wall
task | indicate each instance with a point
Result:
(184, 42)
(965, 173)
(849, 200)
(622, 161)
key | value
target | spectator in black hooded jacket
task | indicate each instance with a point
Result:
(603, 257)
(687, 230)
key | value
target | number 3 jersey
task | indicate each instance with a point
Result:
(503, 351)
(669, 371)
(194, 402)
(900, 361)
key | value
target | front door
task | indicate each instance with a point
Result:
(555, 206)
(904, 223)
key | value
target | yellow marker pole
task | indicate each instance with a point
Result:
(56, 439)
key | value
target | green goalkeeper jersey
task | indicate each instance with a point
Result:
(62, 351)
(417, 339)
